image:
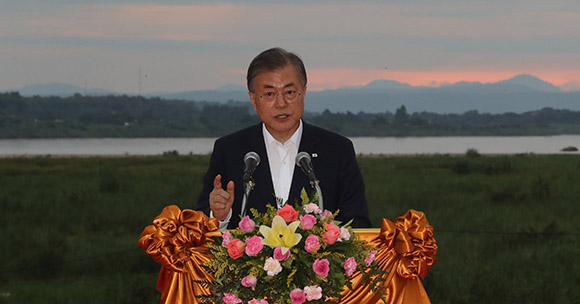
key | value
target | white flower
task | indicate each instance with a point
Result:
(344, 234)
(313, 292)
(312, 208)
(272, 266)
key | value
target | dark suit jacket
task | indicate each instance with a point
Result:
(335, 166)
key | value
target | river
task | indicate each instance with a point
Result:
(363, 145)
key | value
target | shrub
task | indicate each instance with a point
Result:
(471, 152)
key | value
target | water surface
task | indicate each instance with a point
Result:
(363, 145)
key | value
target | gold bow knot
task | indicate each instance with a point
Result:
(178, 240)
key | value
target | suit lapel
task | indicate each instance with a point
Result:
(264, 189)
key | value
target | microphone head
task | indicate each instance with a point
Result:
(251, 161)
(252, 155)
(304, 161)
(301, 157)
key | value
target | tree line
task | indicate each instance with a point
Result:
(136, 116)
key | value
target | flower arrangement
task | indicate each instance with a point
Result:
(287, 256)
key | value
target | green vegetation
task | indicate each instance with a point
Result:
(506, 226)
(134, 116)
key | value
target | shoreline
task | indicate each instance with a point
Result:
(365, 155)
(363, 146)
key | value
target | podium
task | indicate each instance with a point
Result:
(178, 240)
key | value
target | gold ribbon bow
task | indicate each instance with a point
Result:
(406, 250)
(413, 242)
(179, 241)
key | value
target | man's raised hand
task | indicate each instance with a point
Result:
(220, 200)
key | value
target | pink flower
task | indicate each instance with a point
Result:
(371, 257)
(321, 268)
(262, 301)
(307, 221)
(312, 243)
(313, 293)
(349, 266)
(247, 225)
(326, 216)
(297, 296)
(236, 248)
(227, 237)
(331, 234)
(278, 256)
(250, 281)
(272, 266)
(344, 234)
(254, 245)
(230, 298)
(312, 208)
(288, 213)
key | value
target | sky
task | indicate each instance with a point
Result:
(146, 46)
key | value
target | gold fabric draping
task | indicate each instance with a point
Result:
(406, 250)
(179, 241)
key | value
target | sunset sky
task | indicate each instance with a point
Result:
(132, 46)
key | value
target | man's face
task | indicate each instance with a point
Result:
(280, 116)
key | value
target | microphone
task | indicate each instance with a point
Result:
(304, 161)
(251, 161)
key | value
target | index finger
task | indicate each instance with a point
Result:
(217, 182)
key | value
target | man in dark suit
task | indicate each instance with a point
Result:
(277, 87)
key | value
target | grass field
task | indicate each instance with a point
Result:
(507, 227)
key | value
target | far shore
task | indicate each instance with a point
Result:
(370, 155)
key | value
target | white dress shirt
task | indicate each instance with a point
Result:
(281, 160)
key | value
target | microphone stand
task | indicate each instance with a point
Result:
(314, 184)
(249, 187)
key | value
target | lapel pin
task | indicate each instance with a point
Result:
(314, 155)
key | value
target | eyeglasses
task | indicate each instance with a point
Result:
(289, 96)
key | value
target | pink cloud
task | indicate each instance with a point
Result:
(321, 79)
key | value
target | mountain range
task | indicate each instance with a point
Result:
(519, 94)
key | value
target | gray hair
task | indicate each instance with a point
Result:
(271, 60)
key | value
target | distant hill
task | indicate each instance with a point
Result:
(519, 94)
(208, 95)
(381, 84)
(60, 89)
(531, 82)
